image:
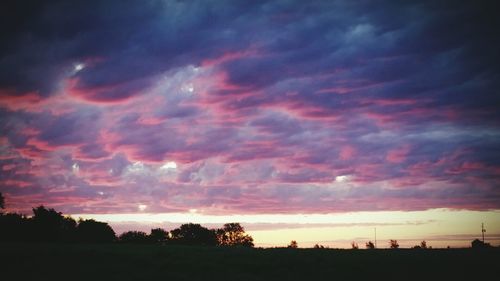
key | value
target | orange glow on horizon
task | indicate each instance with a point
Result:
(439, 227)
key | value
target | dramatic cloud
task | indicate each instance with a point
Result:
(254, 107)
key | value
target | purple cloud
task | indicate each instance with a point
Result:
(249, 108)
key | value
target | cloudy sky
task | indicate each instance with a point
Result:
(250, 107)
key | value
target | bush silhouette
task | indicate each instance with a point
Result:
(318, 246)
(194, 234)
(134, 237)
(293, 244)
(370, 245)
(393, 244)
(91, 231)
(233, 234)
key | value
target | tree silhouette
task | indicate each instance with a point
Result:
(91, 231)
(134, 237)
(423, 245)
(2, 201)
(158, 235)
(370, 245)
(293, 244)
(194, 234)
(393, 244)
(48, 225)
(354, 245)
(15, 227)
(52, 226)
(233, 234)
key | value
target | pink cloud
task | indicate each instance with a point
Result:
(229, 56)
(398, 155)
(16, 183)
(347, 152)
(12, 101)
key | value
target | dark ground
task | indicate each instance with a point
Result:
(151, 262)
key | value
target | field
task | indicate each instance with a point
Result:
(150, 262)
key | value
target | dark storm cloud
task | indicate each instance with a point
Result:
(432, 46)
(127, 41)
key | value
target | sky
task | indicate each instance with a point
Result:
(316, 121)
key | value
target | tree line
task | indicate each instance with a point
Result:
(48, 225)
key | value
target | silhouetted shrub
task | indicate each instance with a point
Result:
(293, 244)
(370, 245)
(317, 246)
(354, 245)
(134, 237)
(233, 234)
(393, 244)
(194, 234)
(158, 235)
(91, 231)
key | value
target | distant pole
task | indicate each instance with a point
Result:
(483, 230)
(376, 237)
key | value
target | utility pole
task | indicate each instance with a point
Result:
(376, 237)
(483, 230)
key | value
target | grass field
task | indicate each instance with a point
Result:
(150, 262)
